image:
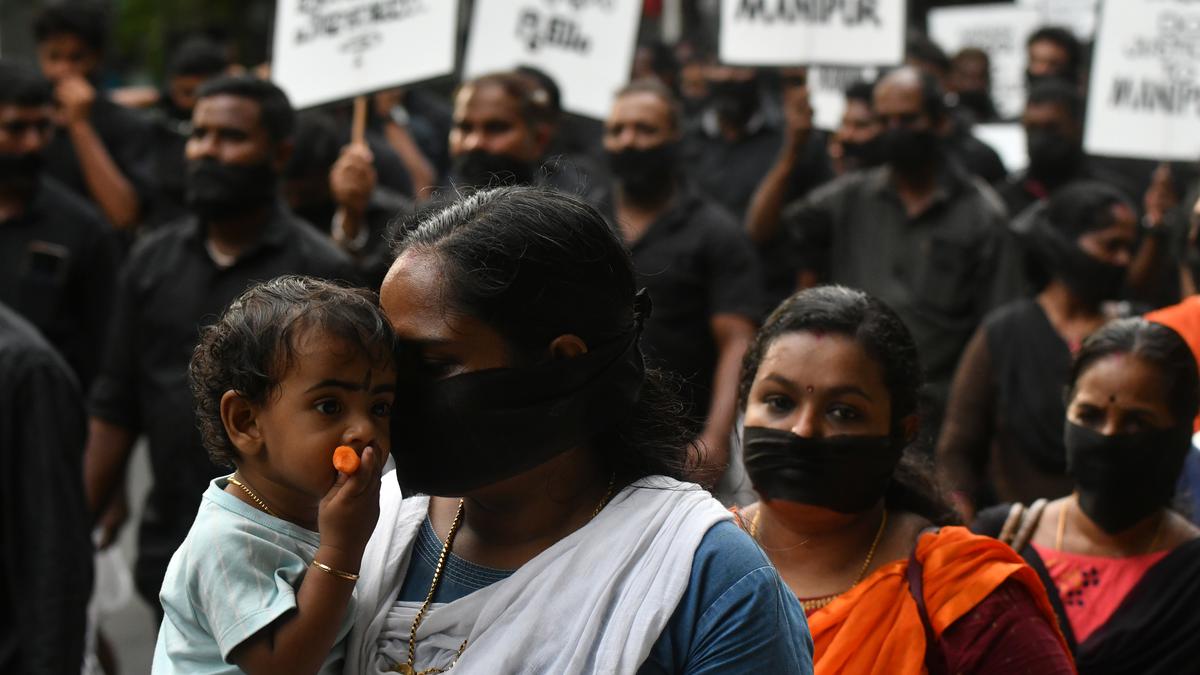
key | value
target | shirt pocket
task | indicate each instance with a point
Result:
(45, 269)
(946, 280)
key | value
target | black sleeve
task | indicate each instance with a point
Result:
(129, 142)
(100, 271)
(809, 228)
(114, 394)
(736, 283)
(48, 556)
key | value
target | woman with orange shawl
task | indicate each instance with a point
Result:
(850, 520)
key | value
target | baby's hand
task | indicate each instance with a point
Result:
(348, 512)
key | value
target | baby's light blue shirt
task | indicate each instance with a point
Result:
(235, 574)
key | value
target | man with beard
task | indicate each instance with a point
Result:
(919, 233)
(178, 279)
(58, 259)
(503, 127)
(691, 256)
(101, 150)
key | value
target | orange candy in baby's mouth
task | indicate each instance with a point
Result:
(345, 459)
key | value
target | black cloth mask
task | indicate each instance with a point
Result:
(980, 103)
(848, 474)
(735, 101)
(455, 435)
(21, 172)
(1123, 479)
(909, 150)
(1052, 158)
(865, 155)
(483, 169)
(646, 174)
(1093, 280)
(214, 189)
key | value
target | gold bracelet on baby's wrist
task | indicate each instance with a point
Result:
(337, 573)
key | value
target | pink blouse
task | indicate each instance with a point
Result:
(1092, 587)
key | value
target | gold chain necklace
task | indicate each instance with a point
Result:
(408, 668)
(250, 493)
(813, 604)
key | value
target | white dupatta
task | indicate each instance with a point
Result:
(595, 602)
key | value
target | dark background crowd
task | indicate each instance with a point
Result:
(148, 174)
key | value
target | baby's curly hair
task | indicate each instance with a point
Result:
(251, 347)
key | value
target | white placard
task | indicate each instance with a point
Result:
(1144, 96)
(327, 50)
(1008, 140)
(999, 30)
(827, 87)
(803, 32)
(1077, 15)
(585, 45)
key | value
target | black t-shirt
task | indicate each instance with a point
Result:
(729, 172)
(696, 263)
(58, 267)
(127, 136)
(170, 288)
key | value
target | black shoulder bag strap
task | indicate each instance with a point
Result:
(935, 658)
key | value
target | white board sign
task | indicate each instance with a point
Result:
(1144, 97)
(999, 30)
(827, 87)
(791, 33)
(327, 50)
(1008, 140)
(585, 45)
(1077, 15)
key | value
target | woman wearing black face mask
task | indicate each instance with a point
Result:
(1122, 568)
(557, 537)
(1002, 438)
(851, 520)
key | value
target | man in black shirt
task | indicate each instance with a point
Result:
(691, 255)
(1053, 122)
(57, 255)
(919, 233)
(101, 150)
(46, 569)
(733, 144)
(180, 278)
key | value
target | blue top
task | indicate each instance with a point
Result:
(736, 615)
(235, 574)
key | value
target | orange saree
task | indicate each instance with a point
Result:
(876, 627)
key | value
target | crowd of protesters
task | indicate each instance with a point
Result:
(702, 387)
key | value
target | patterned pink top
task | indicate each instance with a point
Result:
(1092, 587)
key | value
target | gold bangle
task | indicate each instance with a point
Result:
(337, 573)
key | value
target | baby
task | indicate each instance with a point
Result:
(263, 583)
